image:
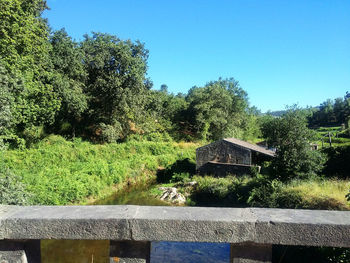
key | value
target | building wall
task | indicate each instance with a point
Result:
(220, 169)
(222, 152)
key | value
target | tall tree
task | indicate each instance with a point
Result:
(69, 80)
(291, 138)
(167, 111)
(217, 109)
(24, 51)
(116, 83)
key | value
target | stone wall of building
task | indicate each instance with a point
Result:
(222, 152)
(220, 169)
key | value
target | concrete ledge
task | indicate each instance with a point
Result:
(191, 224)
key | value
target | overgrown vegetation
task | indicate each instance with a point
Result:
(291, 138)
(331, 113)
(58, 172)
(98, 88)
(231, 191)
(78, 118)
(12, 190)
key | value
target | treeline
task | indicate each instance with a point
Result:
(331, 112)
(98, 88)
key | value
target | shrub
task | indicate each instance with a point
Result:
(180, 177)
(33, 134)
(338, 161)
(184, 166)
(12, 190)
(291, 138)
(263, 194)
(110, 133)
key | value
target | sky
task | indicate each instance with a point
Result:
(282, 52)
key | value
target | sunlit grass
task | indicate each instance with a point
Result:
(321, 193)
(58, 171)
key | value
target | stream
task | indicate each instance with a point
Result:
(97, 251)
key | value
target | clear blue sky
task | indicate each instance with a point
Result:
(281, 51)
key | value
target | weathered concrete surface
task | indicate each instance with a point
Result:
(64, 222)
(12, 252)
(130, 251)
(251, 253)
(20, 251)
(192, 224)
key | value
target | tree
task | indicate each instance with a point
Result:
(217, 109)
(331, 112)
(164, 88)
(116, 82)
(347, 110)
(291, 138)
(166, 112)
(11, 87)
(69, 80)
(24, 51)
(7, 120)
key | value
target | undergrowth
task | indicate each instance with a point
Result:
(58, 172)
(260, 191)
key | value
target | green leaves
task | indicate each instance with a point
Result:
(291, 138)
(217, 109)
(97, 88)
(12, 190)
(116, 80)
(24, 51)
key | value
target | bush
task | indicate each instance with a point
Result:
(301, 254)
(110, 133)
(180, 167)
(152, 137)
(264, 193)
(338, 163)
(180, 177)
(291, 138)
(12, 190)
(33, 134)
(12, 141)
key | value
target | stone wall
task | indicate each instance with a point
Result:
(219, 169)
(251, 231)
(222, 152)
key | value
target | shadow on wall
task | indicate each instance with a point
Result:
(184, 166)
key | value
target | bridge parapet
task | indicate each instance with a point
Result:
(251, 231)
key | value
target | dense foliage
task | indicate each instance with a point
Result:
(25, 54)
(331, 112)
(12, 190)
(98, 88)
(292, 140)
(58, 172)
(217, 110)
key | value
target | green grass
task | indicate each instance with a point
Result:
(60, 172)
(329, 129)
(321, 193)
(312, 193)
(154, 190)
(322, 133)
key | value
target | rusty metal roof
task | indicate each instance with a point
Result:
(250, 146)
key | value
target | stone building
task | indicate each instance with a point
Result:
(230, 156)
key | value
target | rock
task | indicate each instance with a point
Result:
(170, 194)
